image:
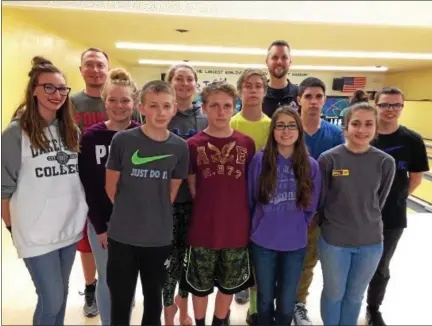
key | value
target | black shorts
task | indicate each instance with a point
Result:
(230, 270)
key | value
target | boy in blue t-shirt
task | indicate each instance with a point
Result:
(326, 137)
(320, 136)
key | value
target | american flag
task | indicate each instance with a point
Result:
(353, 83)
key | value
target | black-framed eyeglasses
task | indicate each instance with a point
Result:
(51, 89)
(388, 106)
(282, 126)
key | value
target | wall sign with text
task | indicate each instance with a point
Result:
(207, 76)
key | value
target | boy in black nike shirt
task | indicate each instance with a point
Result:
(409, 151)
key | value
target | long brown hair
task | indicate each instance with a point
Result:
(18, 112)
(300, 163)
(31, 121)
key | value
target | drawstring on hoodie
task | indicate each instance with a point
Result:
(194, 104)
(196, 121)
(52, 137)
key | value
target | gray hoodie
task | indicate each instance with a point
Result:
(186, 124)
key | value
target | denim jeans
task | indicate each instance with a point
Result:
(283, 268)
(102, 292)
(347, 272)
(50, 274)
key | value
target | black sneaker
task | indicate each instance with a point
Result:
(90, 307)
(374, 317)
(227, 320)
(251, 319)
(301, 317)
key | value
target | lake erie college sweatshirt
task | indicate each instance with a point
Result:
(47, 202)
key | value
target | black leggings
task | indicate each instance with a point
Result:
(124, 264)
(182, 213)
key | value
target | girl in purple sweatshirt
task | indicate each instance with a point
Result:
(284, 186)
(120, 96)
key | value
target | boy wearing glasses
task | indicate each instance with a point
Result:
(320, 136)
(409, 152)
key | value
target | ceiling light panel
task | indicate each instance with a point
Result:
(189, 48)
(262, 66)
(263, 52)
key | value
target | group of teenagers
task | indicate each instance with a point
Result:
(198, 197)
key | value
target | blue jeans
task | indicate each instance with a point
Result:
(50, 274)
(283, 268)
(102, 292)
(347, 272)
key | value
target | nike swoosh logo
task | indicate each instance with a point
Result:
(136, 160)
(391, 149)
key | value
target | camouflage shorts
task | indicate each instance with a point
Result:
(227, 269)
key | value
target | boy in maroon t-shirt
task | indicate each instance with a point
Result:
(218, 232)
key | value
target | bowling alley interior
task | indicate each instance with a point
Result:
(347, 45)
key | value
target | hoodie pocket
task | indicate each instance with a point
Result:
(61, 218)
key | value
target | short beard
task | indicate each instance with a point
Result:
(283, 74)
